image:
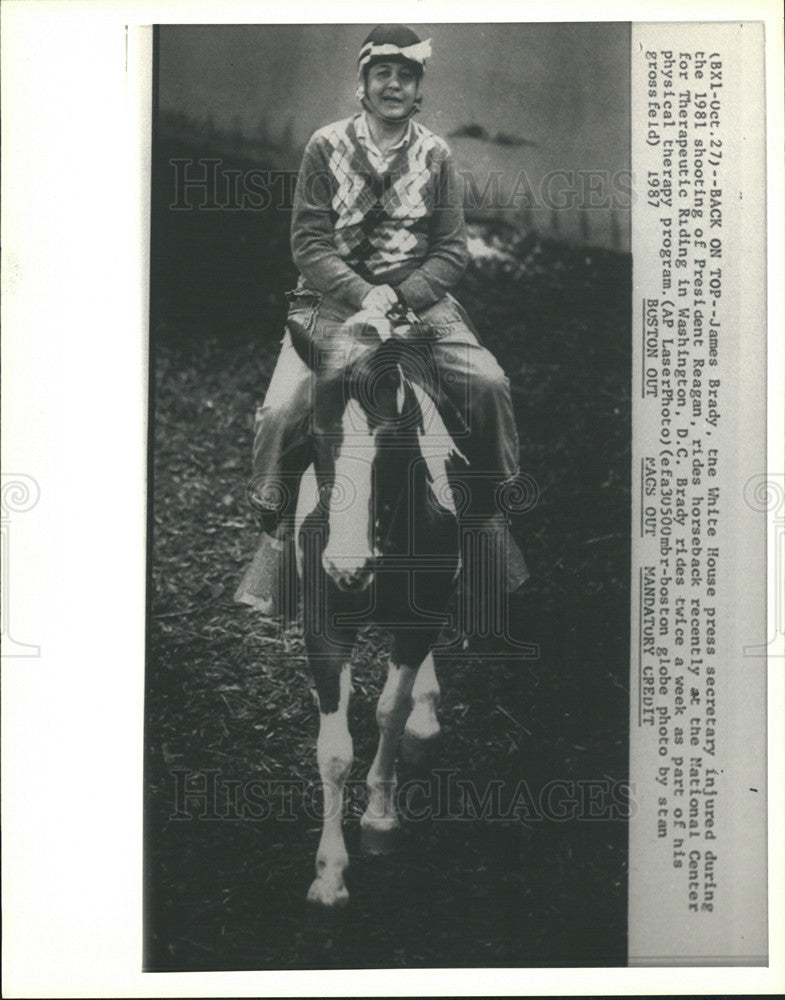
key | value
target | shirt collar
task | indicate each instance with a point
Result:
(364, 133)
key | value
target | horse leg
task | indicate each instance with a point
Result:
(334, 753)
(380, 823)
(422, 726)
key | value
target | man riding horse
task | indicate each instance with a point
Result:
(378, 226)
(378, 235)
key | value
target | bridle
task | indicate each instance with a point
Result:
(400, 315)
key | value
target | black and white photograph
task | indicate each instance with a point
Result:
(388, 615)
(392, 499)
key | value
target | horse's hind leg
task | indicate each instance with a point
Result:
(334, 753)
(379, 823)
(422, 726)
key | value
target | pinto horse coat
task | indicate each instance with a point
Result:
(378, 541)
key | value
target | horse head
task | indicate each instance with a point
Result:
(368, 428)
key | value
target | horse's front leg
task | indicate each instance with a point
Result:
(334, 753)
(380, 823)
(422, 726)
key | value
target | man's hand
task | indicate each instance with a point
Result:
(380, 300)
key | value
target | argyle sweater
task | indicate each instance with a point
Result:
(353, 228)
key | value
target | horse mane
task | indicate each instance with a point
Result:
(437, 447)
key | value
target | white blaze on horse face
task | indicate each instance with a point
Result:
(349, 551)
(437, 448)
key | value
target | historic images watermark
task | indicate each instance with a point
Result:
(441, 796)
(19, 493)
(482, 610)
(209, 184)
(488, 557)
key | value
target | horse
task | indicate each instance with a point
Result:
(377, 534)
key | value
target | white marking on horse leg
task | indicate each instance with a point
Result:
(422, 726)
(334, 753)
(394, 706)
(422, 723)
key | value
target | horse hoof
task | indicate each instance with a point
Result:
(416, 748)
(379, 836)
(328, 895)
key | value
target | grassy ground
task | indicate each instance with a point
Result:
(229, 695)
